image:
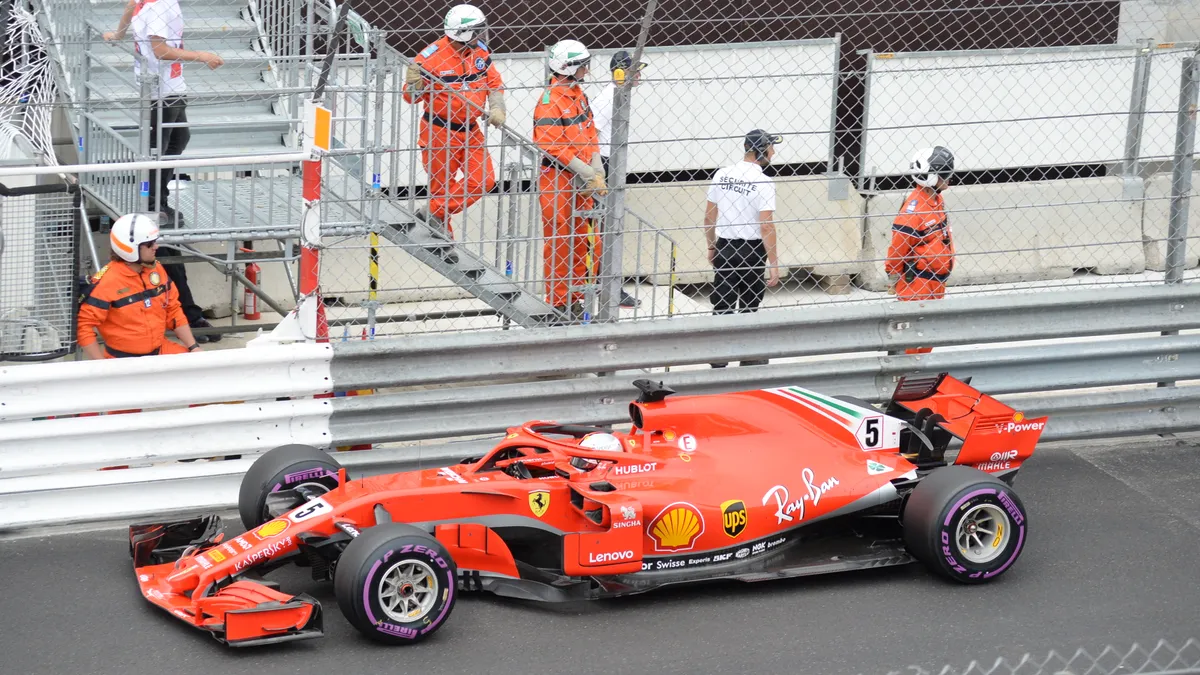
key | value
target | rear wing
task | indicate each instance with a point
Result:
(939, 408)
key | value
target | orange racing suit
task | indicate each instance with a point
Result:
(132, 310)
(922, 249)
(564, 128)
(450, 137)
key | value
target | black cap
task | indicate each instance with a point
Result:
(759, 140)
(624, 61)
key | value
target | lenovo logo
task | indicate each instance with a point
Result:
(615, 556)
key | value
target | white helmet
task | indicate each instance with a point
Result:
(129, 232)
(929, 164)
(601, 441)
(567, 55)
(464, 23)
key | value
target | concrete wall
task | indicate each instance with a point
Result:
(814, 235)
(1024, 231)
(1155, 217)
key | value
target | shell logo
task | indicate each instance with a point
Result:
(1018, 417)
(271, 529)
(676, 527)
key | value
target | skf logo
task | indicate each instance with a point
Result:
(733, 517)
(539, 501)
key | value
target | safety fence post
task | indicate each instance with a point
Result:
(1181, 179)
(611, 273)
(1131, 164)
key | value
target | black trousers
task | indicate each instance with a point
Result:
(178, 276)
(175, 140)
(738, 284)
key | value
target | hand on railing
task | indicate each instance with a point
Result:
(213, 61)
(595, 186)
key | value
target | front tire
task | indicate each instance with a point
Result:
(396, 584)
(284, 468)
(965, 524)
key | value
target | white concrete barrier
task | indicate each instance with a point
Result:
(1155, 219)
(814, 235)
(1014, 232)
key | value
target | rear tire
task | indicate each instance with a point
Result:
(279, 469)
(965, 524)
(396, 584)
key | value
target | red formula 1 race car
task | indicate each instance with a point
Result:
(748, 486)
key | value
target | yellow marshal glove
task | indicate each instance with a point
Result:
(596, 186)
(412, 75)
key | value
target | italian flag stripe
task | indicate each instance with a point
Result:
(836, 405)
(817, 407)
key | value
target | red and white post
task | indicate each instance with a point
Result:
(307, 322)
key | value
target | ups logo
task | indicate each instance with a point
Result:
(733, 517)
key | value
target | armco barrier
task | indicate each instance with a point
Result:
(793, 332)
(48, 468)
(419, 415)
(65, 388)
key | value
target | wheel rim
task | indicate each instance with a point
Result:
(983, 533)
(408, 591)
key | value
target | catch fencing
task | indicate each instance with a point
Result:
(1072, 189)
(1064, 119)
(1161, 658)
(40, 231)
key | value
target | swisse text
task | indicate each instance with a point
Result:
(630, 469)
(615, 556)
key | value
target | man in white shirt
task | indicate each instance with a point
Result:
(739, 229)
(158, 39)
(602, 115)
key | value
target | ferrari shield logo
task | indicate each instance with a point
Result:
(539, 501)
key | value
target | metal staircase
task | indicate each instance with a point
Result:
(233, 110)
(250, 106)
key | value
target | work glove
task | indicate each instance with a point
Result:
(596, 186)
(412, 75)
(496, 107)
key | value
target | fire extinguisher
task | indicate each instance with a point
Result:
(249, 299)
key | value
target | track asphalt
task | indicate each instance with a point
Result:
(1113, 558)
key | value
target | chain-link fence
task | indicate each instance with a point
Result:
(1061, 116)
(1161, 658)
(39, 229)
